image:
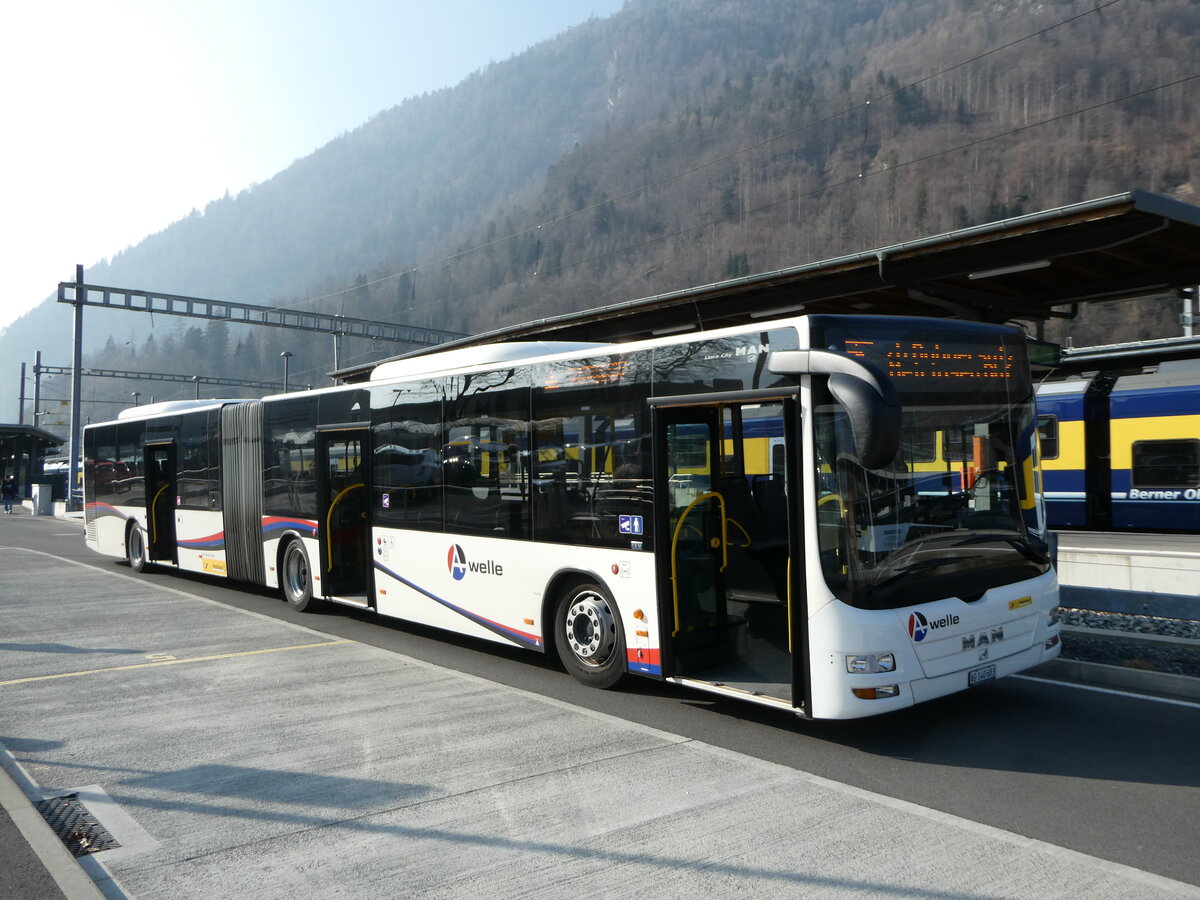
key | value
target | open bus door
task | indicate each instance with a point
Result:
(342, 508)
(693, 529)
(159, 466)
(728, 545)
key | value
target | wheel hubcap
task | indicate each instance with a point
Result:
(297, 574)
(591, 629)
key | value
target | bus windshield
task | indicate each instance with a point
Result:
(957, 511)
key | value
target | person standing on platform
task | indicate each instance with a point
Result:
(9, 490)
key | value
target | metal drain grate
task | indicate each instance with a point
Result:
(75, 826)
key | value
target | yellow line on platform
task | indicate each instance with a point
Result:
(173, 662)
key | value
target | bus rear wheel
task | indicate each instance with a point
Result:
(296, 578)
(135, 548)
(589, 637)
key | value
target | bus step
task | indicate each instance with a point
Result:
(358, 601)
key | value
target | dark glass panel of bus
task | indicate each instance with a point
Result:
(99, 468)
(590, 462)
(345, 407)
(89, 466)
(485, 486)
(342, 511)
(735, 363)
(195, 468)
(160, 430)
(691, 438)
(289, 458)
(130, 487)
(407, 463)
(214, 459)
(161, 462)
(914, 529)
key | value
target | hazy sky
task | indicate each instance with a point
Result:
(118, 118)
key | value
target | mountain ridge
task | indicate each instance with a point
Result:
(675, 143)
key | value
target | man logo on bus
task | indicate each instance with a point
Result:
(456, 561)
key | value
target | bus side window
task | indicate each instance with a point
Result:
(486, 424)
(407, 464)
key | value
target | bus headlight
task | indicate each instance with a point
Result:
(1055, 614)
(871, 663)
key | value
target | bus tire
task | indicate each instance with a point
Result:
(136, 550)
(588, 635)
(295, 581)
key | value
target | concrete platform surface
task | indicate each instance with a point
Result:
(1137, 574)
(235, 755)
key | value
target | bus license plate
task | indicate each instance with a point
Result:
(978, 676)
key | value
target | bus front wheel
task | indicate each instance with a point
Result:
(589, 636)
(135, 549)
(296, 578)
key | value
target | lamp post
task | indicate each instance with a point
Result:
(287, 355)
(136, 396)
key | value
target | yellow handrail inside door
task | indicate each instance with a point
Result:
(329, 520)
(154, 513)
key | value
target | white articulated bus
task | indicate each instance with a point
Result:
(833, 515)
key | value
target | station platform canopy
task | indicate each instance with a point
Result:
(1031, 268)
(21, 450)
(22, 437)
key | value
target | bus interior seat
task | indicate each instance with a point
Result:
(756, 573)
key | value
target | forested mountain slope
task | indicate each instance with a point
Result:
(676, 143)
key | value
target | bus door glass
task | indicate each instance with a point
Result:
(342, 512)
(159, 464)
(691, 526)
(729, 520)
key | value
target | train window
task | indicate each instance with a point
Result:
(1047, 427)
(1166, 464)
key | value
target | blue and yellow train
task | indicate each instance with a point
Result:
(1122, 453)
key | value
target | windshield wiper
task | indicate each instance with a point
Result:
(922, 564)
(1022, 545)
(980, 539)
(1029, 550)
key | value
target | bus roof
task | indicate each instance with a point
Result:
(172, 406)
(466, 357)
